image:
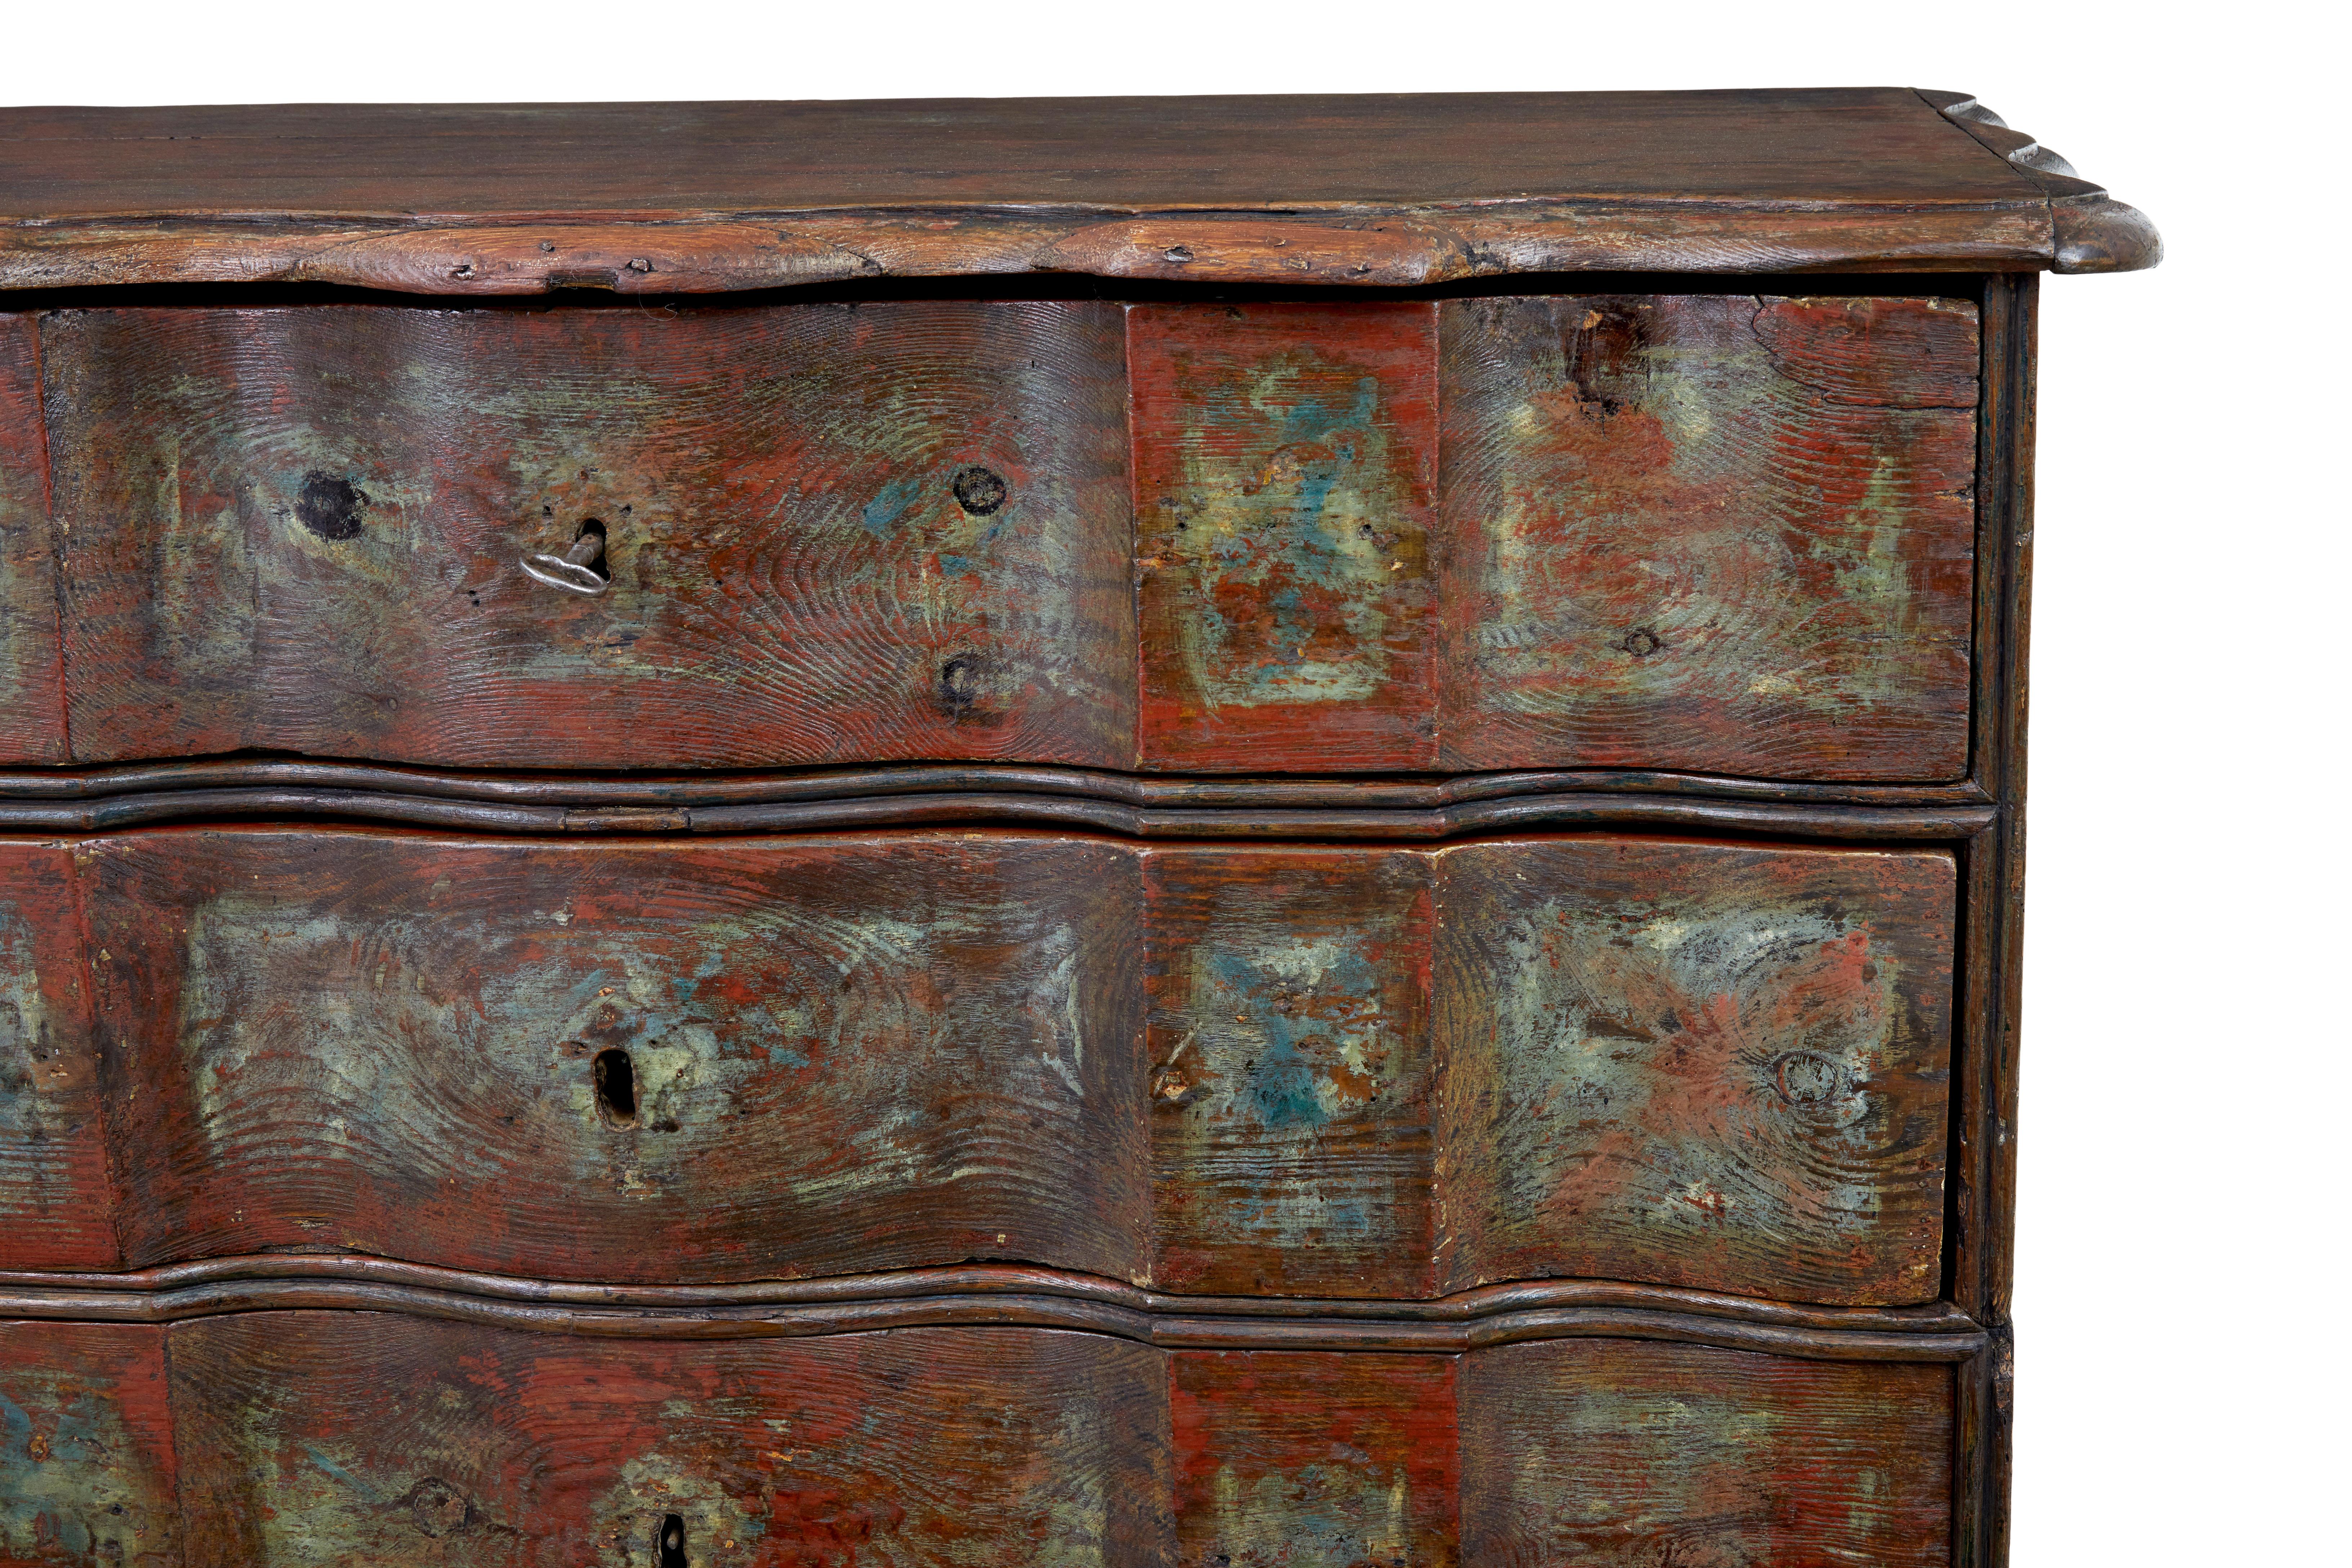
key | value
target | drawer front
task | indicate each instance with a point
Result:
(1284, 1458)
(1221, 1069)
(55, 1204)
(357, 1438)
(1285, 482)
(718, 1062)
(876, 532)
(88, 1459)
(1696, 1065)
(1291, 1068)
(304, 1438)
(1710, 533)
(1617, 1452)
(1695, 532)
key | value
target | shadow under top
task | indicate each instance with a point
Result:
(1382, 190)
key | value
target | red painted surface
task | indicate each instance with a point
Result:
(1285, 483)
(32, 716)
(56, 1209)
(1293, 1458)
(1633, 1454)
(1709, 533)
(88, 1465)
(312, 1437)
(1291, 1077)
(1221, 1069)
(300, 530)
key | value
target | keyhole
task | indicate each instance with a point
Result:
(673, 1541)
(592, 559)
(616, 1086)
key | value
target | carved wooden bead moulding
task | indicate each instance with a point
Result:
(1261, 831)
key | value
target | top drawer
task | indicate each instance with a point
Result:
(1711, 534)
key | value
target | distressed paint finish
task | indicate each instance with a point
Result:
(1714, 534)
(32, 717)
(1215, 1068)
(1290, 1058)
(1315, 1459)
(1624, 1454)
(834, 533)
(87, 1460)
(315, 1438)
(847, 1053)
(1695, 532)
(55, 1208)
(1285, 479)
(1696, 1063)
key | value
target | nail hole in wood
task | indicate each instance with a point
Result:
(962, 683)
(330, 506)
(616, 1086)
(978, 490)
(673, 1541)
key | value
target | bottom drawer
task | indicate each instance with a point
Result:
(313, 1437)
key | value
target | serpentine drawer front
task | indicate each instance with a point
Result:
(1218, 832)
(1709, 533)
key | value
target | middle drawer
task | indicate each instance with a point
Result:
(1213, 1068)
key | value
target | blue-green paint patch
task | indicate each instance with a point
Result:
(881, 514)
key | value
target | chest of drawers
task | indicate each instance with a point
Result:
(1233, 832)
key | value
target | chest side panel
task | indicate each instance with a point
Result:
(32, 718)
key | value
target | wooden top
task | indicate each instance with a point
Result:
(1364, 189)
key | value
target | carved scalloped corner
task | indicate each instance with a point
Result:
(2099, 234)
(2090, 230)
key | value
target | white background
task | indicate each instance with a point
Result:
(2182, 1389)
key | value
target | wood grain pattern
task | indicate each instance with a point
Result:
(2091, 231)
(1377, 189)
(1710, 533)
(1693, 1062)
(55, 1207)
(1702, 533)
(905, 1049)
(1285, 477)
(843, 1054)
(1211, 152)
(309, 1438)
(993, 1295)
(752, 787)
(1615, 1453)
(1316, 1460)
(316, 1437)
(833, 533)
(669, 256)
(1290, 1089)
(88, 1465)
(32, 716)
